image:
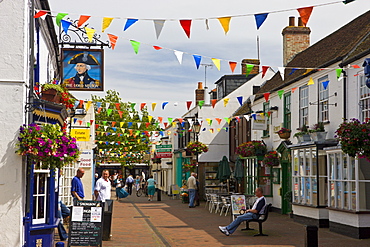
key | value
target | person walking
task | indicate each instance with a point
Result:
(118, 184)
(103, 187)
(192, 186)
(151, 187)
(137, 183)
(253, 213)
(129, 182)
(77, 188)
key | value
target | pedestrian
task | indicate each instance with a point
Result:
(196, 198)
(129, 182)
(150, 183)
(192, 186)
(96, 177)
(253, 213)
(118, 184)
(103, 187)
(137, 183)
(77, 189)
(63, 213)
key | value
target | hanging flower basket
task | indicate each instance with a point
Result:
(271, 158)
(47, 144)
(189, 167)
(284, 133)
(251, 148)
(197, 147)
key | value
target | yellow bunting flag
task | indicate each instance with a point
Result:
(310, 82)
(307, 71)
(90, 33)
(225, 22)
(226, 101)
(106, 22)
(227, 120)
(88, 105)
(174, 124)
(262, 115)
(217, 63)
(218, 129)
(211, 130)
(150, 118)
(121, 124)
(153, 106)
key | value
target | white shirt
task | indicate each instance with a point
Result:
(104, 188)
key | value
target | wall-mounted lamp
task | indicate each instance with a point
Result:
(274, 108)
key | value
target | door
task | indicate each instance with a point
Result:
(286, 187)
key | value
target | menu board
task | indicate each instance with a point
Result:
(86, 224)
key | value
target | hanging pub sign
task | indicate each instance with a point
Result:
(83, 69)
(259, 123)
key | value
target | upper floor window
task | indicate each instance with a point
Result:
(364, 99)
(266, 107)
(40, 193)
(287, 112)
(303, 105)
(323, 99)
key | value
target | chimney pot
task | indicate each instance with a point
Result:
(300, 23)
(292, 21)
(200, 85)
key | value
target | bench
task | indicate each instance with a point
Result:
(260, 220)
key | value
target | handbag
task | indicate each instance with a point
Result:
(122, 193)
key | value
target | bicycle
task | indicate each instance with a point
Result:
(142, 190)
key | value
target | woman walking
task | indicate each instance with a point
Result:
(151, 187)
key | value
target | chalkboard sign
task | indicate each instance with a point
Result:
(86, 225)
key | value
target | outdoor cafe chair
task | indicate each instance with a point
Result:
(225, 205)
(208, 200)
(215, 204)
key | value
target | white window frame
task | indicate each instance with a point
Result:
(68, 172)
(303, 105)
(364, 96)
(323, 100)
(36, 219)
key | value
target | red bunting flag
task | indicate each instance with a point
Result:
(118, 106)
(112, 40)
(293, 89)
(267, 96)
(232, 66)
(305, 14)
(180, 120)
(130, 130)
(120, 114)
(40, 13)
(165, 124)
(147, 125)
(99, 110)
(186, 25)
(91, 121)
(355, 66)
(81, 103)
(160, 119)
(96, 126)
(113, 124)
(264, 70)
(213, 101)
(218, 120)
(157, 47)
(82, 20)
(142, 105)
(188, 104)
(80, 122)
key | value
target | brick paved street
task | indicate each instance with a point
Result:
(138, 222)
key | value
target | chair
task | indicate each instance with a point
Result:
(263, 217)
(208, 200)
(225, 205)
(215, 203)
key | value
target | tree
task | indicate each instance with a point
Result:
(122, 133)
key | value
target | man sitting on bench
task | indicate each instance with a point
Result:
(252, 213)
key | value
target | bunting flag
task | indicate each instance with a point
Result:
(227, 119)
(355, 66)
(305, 14)
(118, 105)
(293, 89)
(209, 121)
(65, 25)
(225, 23)
(217, 63)
(106, 23)
(197, 60)
(164, 104)
(325, 84)
(165, 124)
(338, 72)
(307, 71)
(113, 124)
(59, 18)
(213, 102)
(129, 23)
(252, 97)
(282, 71)
(90, 33)
(240, 100)
(293, 70)
(112, 40)
(170, 119)
(88, 105)
(267, 96)
(40, 13)
(218, 120)
(158, 26)
(186, 25)
(153, 106)
(157, 47)
(226, 101)
(142, 105)
(135, 45)
(280, 93)
(200, 103)
(150, 118)
(133, 107)
(160, 119)
(260, 18)
(211, 130)
(232, 66)
(179, 55)
(109, 111)
(188, 104)
(264, 70)
(310, 82)
(82, 20)
(248, 69)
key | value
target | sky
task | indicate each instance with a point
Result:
(157, 76)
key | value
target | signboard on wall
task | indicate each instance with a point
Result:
(86, 158)
(82, 69)
(259, 123)
(81, 135)
(163, 151)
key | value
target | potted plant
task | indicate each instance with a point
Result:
(284, 133)
(317, 132)
(57, 93)
(189, 167)
(271, 158)
(47, 144)
(354, 138)
(251, 148)
(303, 135)
(197, 147)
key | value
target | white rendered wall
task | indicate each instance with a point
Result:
(13, 75)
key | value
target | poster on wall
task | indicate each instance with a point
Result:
(259, 123)
(83, 69)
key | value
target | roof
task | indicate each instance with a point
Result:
(348, 43)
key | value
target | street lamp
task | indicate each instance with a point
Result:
(196, 129)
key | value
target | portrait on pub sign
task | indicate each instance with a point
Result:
(83, 69)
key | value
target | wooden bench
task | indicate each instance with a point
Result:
(263, 217)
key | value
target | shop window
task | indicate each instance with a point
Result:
(40, 196)
(257, 175)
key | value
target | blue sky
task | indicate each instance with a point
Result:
(156, 76)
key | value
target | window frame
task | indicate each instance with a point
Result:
(287, 122)
(364, 99)
(303, 105)
(323, 102)
(254, 172)
(266, 109)
(36, 195)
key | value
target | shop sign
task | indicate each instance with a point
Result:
(259, 123)
(86, 158)
(164, 155)
(81, 135)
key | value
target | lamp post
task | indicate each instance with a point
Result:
(196, 129)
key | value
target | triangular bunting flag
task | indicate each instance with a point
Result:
(188, 104)
(186, 25)
(109, 111)
(65, 25)
(260, 18)
(218, 120)
(267, 96)
(157, 47)
(106, 22)
(129, 22)
(227, 119)
(226, 101)
(293, 89)
(240, 100)
(179, 54)
(225, 23)
(170, 119)
(213, 102)
(325, 84)
(280, 93)
(164, 104)
(153, 106)
(158, 25)
(82, 20)
(252, 97)
(338, 72)
(135, 45)
(150, 118)
(160, 119)
(217, 63)
(142, 105)
(248, 69)
(310, 82)
(40, 13)
(59, 18)
(264, 70)
(232, 66)
(293, 70)
(282, 71)
(200, 103)
(305, 14)
(197, 60)
(112, 40)
(132, 108)
(120, 113)
(90, 33)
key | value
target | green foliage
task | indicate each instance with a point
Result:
(128, 140)
(303, 131)
(319, 127)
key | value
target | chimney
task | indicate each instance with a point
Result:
(295, 39)
(255, 69)
(199, 93)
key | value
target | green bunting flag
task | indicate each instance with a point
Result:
(249, 68)
(135, 45)
(109, 111)
(200, 103)
(59, 18)
(339, 72)
(133, 106)
(280, 93)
